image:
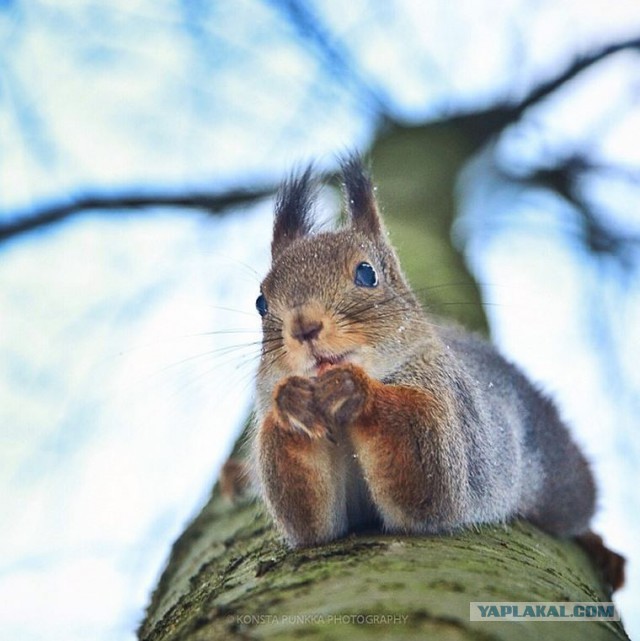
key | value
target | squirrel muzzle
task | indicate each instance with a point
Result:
(313, 340)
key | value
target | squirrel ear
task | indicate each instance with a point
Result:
(361, 200)
(293, 211)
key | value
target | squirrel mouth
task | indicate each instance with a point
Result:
(327, 361)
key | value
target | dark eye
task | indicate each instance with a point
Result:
(261, 305)
(366, 276)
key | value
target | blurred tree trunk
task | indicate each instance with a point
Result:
(416, 170)
(229, 576)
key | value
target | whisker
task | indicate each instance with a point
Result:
(222, 332)
(191, 381)
(220, 351)
(252, 313)
(266, 352)
(466, 302)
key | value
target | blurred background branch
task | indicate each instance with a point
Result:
(479, 126)
(209, 203)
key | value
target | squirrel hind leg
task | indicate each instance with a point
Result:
(234, 480)
(610, 564)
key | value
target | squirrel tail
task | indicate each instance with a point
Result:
(609, 563)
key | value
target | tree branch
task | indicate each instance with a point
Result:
(478, 126)
(211, 203)
(230, 577)
(333, 54)
(483, 125)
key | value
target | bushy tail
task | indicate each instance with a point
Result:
(609, 563)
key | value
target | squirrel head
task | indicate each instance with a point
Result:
(334, 297)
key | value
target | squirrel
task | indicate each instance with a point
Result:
(371, 415)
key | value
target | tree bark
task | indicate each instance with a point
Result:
(230, 577)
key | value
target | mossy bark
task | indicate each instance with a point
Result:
(230, 577)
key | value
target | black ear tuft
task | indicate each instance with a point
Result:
(294, 205)
(361, 200)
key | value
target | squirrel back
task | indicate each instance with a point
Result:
(371, 413)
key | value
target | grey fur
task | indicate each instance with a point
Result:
(521, 459)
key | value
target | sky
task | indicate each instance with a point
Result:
(127, 339)
(118, 407)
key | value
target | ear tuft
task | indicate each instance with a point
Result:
(361, 200)
(294, 208)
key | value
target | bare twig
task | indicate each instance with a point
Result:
(211, 203)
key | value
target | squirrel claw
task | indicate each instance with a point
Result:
(314, 430)
(341, 393)
(295, 406)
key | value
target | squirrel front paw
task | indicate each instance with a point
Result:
(341, 393)
(296, 408)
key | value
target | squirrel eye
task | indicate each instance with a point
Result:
(366, 275)
(261, 305)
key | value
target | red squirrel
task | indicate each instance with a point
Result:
(371, 415)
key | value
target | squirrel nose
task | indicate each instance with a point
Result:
(306, 330)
